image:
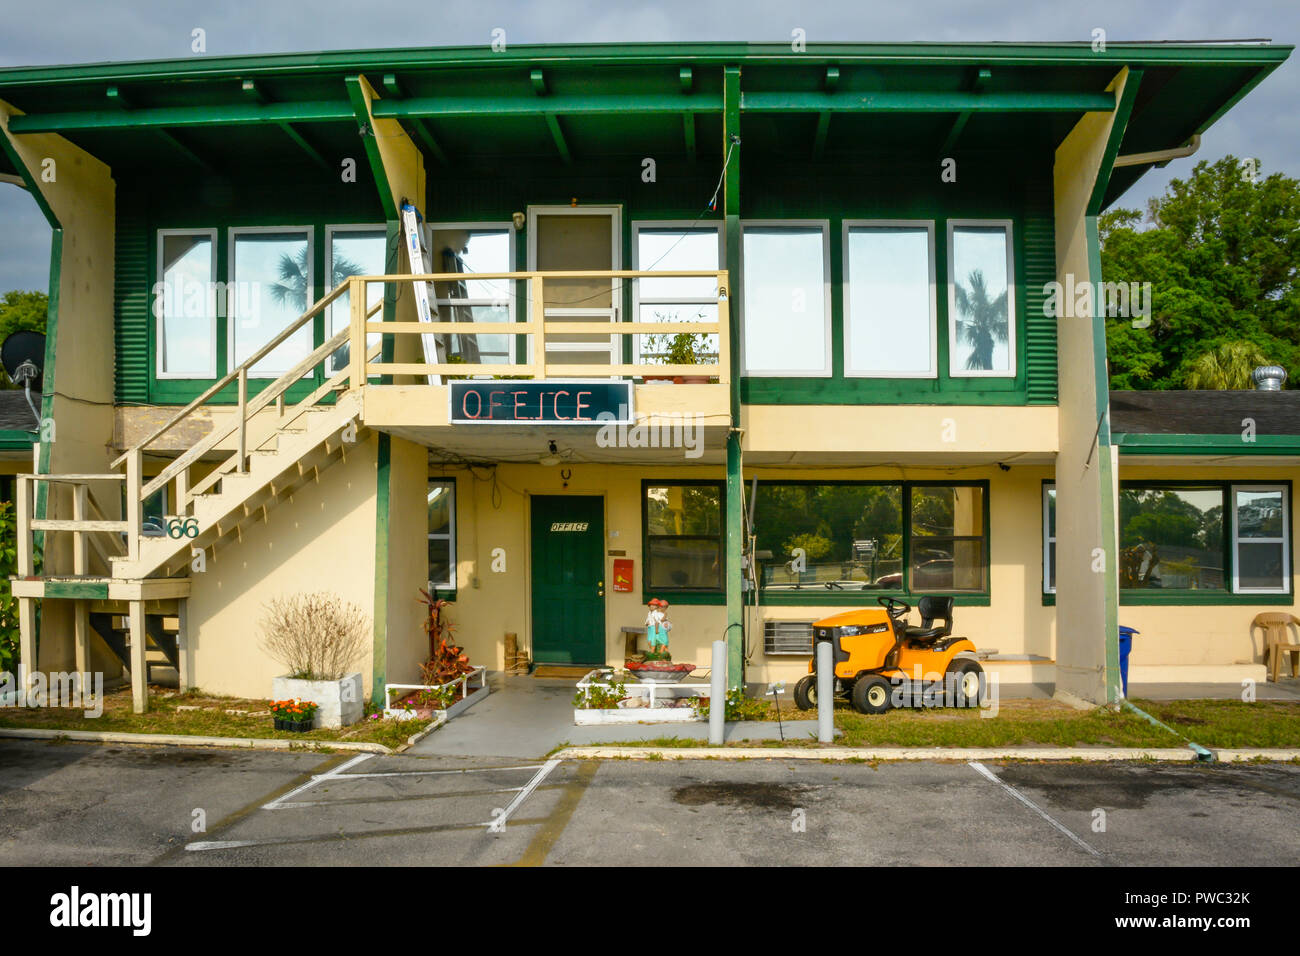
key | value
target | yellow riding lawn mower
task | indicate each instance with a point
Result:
(880, 661)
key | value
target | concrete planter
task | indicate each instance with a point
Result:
(340, 701)
(635, 715)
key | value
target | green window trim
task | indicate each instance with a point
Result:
(1197, 597)
(812, 597)
(679, 595)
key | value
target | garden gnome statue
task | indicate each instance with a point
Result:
(657, 625)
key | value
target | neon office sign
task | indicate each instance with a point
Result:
(540, 403)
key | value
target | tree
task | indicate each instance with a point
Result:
(1221, 250)
(21, 312)
(1226, 367)
(987, 320)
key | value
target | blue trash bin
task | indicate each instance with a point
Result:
(1125, 645)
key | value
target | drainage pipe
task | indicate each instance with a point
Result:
(718, 694)
(1160, 156)
(825, 693)
(1202, 754)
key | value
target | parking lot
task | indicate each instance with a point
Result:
(74, 804)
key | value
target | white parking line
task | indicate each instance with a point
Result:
(498, 822)
(986, 772)
(316, 778)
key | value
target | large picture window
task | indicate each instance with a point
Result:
(911, 537)
(785, 305)
(271, 285)
(981, 300)
(683, 536)
(890, 300)
(185, 303)
(1186, 537)
(442, 533)
(665, 247)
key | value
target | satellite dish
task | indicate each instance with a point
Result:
(23, 357)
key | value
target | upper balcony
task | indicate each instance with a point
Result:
(440, 371)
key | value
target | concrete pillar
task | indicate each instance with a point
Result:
(139, 668)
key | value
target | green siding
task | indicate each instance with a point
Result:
(1038, 245)
(131, 306)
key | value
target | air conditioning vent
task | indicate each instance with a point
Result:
(788, 637)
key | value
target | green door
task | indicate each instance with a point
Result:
(568, 579)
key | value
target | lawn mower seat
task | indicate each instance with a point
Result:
(932, 609)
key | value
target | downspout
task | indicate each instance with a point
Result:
(1203, 755)
(1160, 156)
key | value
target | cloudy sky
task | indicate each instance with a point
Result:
(1266, 125)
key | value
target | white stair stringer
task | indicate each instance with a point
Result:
(315, 440)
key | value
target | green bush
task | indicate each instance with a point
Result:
(9, 635)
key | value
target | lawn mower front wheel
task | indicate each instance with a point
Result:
(805, 693)
(871, 695)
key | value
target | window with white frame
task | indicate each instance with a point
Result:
(471, 248)
(981, 300)
(442, 533)
(185, 303)
(1260, 549)
(666, 247)
(785, 307)
(353, 251)
(271, 285)
(1188, 536)
(890, 300)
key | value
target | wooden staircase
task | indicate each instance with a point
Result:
(258, 453)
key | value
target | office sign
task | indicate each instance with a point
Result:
(540, 402)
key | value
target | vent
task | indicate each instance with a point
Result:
(788, 637)
(1269, 378)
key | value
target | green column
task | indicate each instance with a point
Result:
(735, 483)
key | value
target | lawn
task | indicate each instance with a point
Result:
(1049, 723)
(202, 715)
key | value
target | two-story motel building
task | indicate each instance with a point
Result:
(859, 238)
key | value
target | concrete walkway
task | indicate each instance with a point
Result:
(528, 717)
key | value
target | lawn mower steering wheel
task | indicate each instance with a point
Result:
(895, 607)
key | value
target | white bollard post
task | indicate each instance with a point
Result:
(718, 694)
(825, 693)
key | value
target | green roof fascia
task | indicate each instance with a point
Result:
(1135, 443)
(928, 102)
(919, 54)
(172, 116)
(13, 438)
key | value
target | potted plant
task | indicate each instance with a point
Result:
(296, 715)
(319, 638)
(682, 348)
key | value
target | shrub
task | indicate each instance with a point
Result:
(315, 636)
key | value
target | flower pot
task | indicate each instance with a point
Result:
(297, 726)
(340, 701)
(691, 379)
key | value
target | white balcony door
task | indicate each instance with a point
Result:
(578, 239)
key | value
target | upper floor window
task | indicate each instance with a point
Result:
(271, 285)
(889, 300)
(786, 301)
(981, 294)
(185, 303)
(353, 251)
(666, 247)
(471, 248)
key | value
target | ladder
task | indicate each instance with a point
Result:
(434, 350)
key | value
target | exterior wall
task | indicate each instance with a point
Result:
(1204, 635)
(1014, 622)
(320, 540)
(1085, 509)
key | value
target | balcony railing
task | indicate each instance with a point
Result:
(554, 331)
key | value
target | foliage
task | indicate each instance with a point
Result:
(599, 696)
(740, 707)
(653, 655)
(21, 312)
(9, 634)
(295, 710)
(683, 348)
(292, 288)
(986, 319)
(316, 636)
(447, 661)
(1221, 251)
